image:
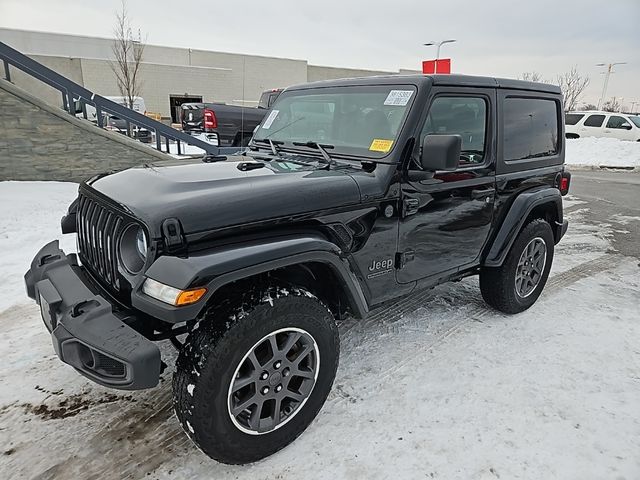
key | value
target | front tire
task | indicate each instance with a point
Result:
(255, 373)
(517, 284)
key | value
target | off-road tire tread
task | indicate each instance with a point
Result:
(219, 333)
(497, 284)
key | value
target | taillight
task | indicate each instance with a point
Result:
(210, 120)
(565, 181)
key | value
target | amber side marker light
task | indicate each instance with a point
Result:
(188, 297)
(171, 295)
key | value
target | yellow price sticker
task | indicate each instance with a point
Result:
(380, 145)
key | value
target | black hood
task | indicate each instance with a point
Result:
(206, 196)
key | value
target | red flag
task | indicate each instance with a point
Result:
(442, 65)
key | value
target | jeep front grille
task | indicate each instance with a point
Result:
(98, 231)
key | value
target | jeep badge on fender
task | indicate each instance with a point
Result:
(251, 258)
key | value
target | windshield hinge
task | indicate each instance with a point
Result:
(172, 231)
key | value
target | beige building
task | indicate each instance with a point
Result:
(169, 75)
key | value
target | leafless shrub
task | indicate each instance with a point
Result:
(128, 51)
(572, 85)
(612, 105)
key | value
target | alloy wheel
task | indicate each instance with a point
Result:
(273, 381)
(530, 267)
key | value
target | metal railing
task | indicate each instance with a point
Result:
(75, 99)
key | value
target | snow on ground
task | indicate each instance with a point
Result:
(602, 152)
(434, 386)
(30, 214)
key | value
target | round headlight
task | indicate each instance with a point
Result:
(141, 243)
(133, 248)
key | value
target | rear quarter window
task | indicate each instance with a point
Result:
(530, 128)
(594, 121)
(572, 118)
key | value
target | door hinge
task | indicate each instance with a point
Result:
(402, 258)
(410, 206)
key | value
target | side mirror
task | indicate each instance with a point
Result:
(626, 126)
(441, 152)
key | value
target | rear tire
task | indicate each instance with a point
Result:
(517, 284)
(236, 354)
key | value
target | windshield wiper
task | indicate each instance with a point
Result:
(272, 144)
(318, 146)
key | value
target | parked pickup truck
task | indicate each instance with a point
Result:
(226, 125)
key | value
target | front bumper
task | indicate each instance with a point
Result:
(85, 331)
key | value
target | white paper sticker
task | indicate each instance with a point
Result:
(272, 116)
(398, 97)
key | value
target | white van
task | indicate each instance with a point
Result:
(602, 124)
(138, 106)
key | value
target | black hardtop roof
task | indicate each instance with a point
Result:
(425, 80)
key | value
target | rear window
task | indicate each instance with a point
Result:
(594, 121)
(530, 128)
(572, 118)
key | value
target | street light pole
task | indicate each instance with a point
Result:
(438, 45)
(606, 79)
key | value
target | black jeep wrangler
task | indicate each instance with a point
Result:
(352, 193)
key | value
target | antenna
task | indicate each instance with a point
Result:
(244, 63)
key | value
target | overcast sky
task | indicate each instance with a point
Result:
(494, 37)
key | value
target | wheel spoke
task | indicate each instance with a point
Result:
(274, 346)
(254, 419)
(276, 411)
(242, 382)
(303, 354)
(291, 341)
(303, 373)
(298, 397)
(254, 360)
(235, 411)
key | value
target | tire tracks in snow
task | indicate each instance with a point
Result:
(140, 439)
(477, 311)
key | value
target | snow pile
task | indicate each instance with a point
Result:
(602, 152)
(30, 213)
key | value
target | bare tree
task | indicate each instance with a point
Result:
(612, 105)
(128, 51)
(572, 85)
(531, 77)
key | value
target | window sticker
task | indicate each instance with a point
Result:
(272, 116)
(398, 97)
(380, 145)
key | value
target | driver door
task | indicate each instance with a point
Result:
(446, 220)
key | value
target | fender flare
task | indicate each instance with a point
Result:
(520, 209)
(218, 267)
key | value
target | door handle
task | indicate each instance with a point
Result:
(478, 194)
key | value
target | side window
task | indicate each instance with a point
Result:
(464, 116)
(594, 121)
(572, 118)
(618, 122)
(530, 128)
(272, 98)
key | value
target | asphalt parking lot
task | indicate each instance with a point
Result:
(613, 196)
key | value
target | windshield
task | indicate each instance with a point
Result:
(352, 120)
(635, 120)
